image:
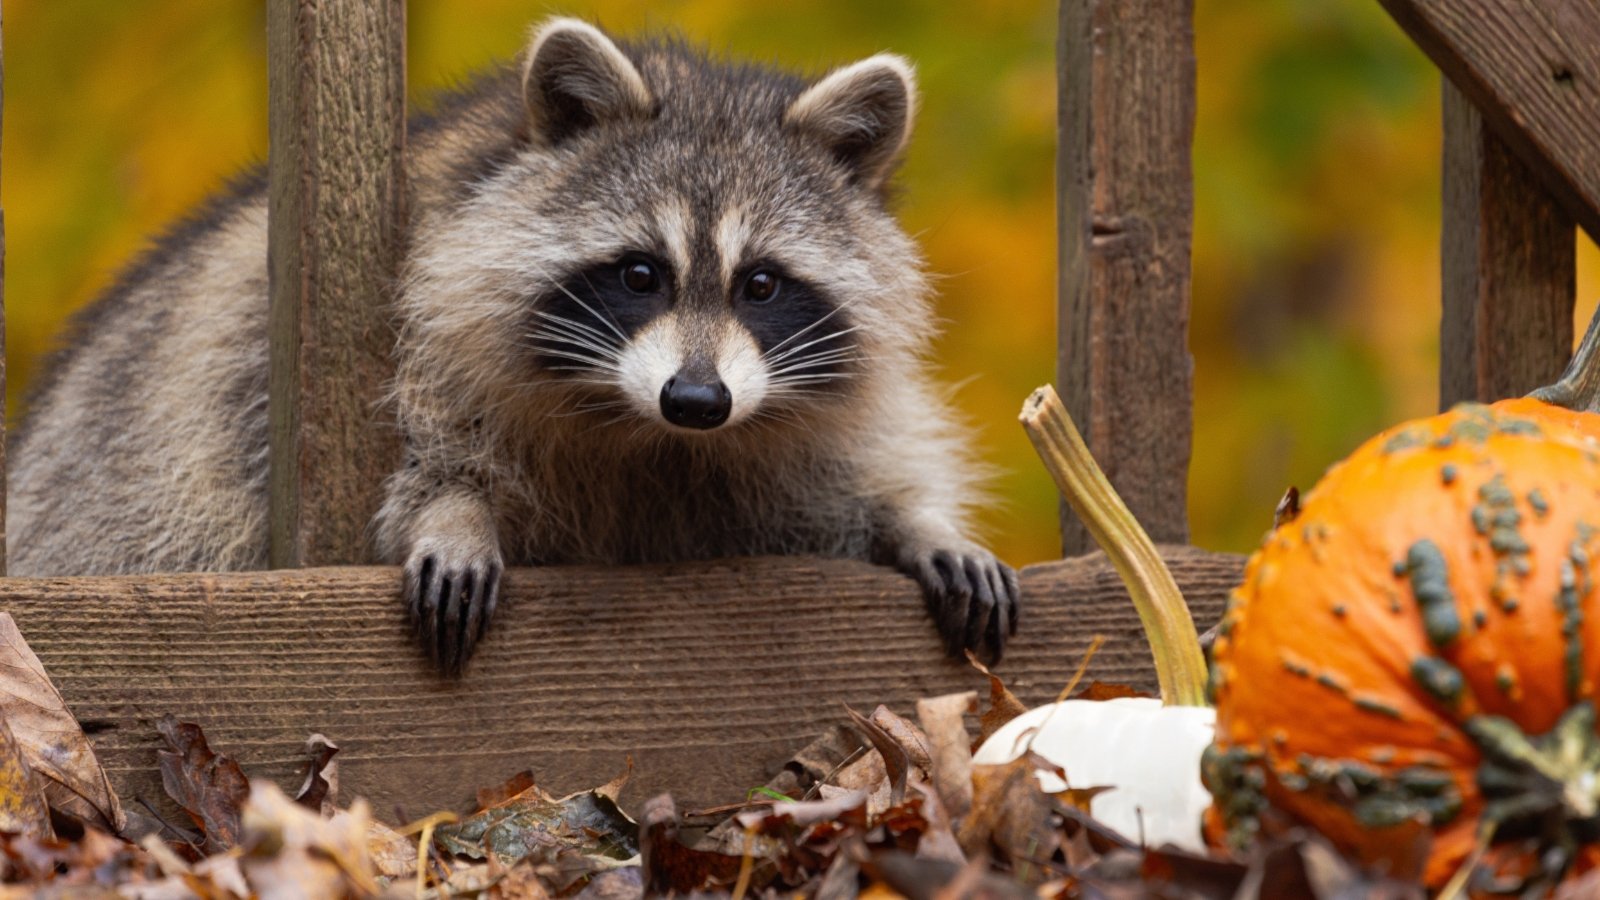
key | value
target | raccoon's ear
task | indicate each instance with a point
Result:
(863, 114)
(574, 78)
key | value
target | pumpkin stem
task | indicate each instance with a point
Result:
(1180, 666)
(1578, 389)
(1546, 786)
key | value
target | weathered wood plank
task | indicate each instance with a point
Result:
(709, 675)
(337, 108)
(1533, 70)
(1509, 267)
(1125, 207)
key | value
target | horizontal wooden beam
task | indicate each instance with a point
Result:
(1533, 71)
(710, 676)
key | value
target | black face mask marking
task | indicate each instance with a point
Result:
(579, 328)
(804, 337)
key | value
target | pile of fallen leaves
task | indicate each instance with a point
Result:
(880, 806)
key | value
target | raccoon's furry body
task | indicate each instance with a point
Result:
(653, 309)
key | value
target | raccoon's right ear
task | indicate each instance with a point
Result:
(574, 78)
(862, 113)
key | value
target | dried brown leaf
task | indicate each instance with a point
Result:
(939, 841)
(1332, 876)
(669, 866)
(928, 879)
(1003, 705)
(489, 798)
(613, 788)
(57, 750)
(88, 866)
(889, 758)
(1100, 691)
(838, 882)
(617, 884)
(321, 786)
(165, 858)
(907, 735)
(943, 721)
(209, 786)
(849, 805)
(1200, 877)
(568, 838)
(22, 806)
(393, 854)
(518, 882)
(1010, 816)
(220, 877)
(1288, 508)
(290, 851)
(1082, 798)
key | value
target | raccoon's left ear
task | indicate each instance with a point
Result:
(574, 77)
(863, 114)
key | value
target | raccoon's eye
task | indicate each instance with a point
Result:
(761, 286)
(640, 277)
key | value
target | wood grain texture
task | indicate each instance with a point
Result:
(1533, 70)
(710, 676)
(1125, 207)
(1509, 262)
(337, 107)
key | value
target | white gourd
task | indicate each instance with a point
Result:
(1148, 753)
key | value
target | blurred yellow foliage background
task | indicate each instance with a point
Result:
(1316, 170)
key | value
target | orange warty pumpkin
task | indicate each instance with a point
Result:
(1420, 645)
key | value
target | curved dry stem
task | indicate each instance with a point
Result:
(1180, 666)
(1579, 386)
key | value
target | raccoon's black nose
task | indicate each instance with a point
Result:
(690, 404)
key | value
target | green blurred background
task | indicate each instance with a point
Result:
(1316, 205)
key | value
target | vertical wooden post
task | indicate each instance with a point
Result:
(1125, 208)
(337, 81)
(1509, 267)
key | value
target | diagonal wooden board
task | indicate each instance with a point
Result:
(710, 676)
(1533, 73)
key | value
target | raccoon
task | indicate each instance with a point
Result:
(654, 308)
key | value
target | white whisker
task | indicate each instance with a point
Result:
(579, 300)
(831, 313)
(831, 358)
(811, 343)
(580, 358)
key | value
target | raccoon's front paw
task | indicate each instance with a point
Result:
(973, 597)
(451, 595)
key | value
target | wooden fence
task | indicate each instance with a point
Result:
(709, 676)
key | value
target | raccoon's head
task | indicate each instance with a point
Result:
(695, 243)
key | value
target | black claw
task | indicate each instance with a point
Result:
(491, 599)
(418, 581)
(448, 590)
(435, 590)
(1013, 594)
(982, 609)
(957, 602)
(454, 615)
(472, 616)
(1004, 621)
